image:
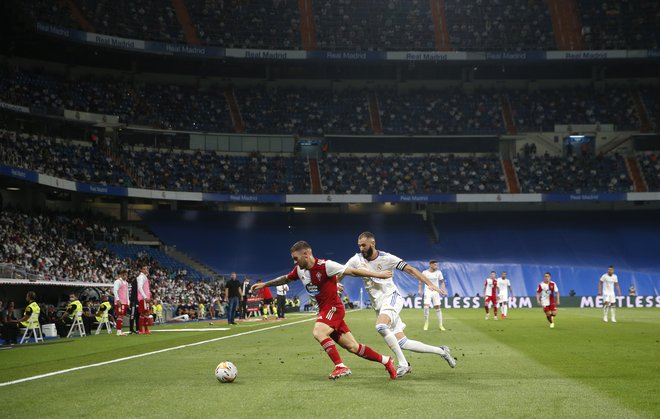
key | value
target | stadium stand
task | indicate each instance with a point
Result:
(369, 25)
(60, 158)
(651, 169)
(210, 171)
(411, 175)
(439, 112)
(541, 110)
(620, 24)
(304, 111)
(572, 174)
(512, 25)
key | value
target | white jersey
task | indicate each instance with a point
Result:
(435, 277)
(378, 289)
(504, 285)
(490, 285)
(608, 283)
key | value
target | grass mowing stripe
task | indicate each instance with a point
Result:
(50, 374)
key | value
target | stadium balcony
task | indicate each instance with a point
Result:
(650, 167)
(411, 175)
(572, 174)
(620, 24)
(511, 25)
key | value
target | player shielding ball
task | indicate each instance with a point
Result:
(606, 288)
(490, 294)
(545, 296)
(432, 298)
(504, 285)
(319, 276)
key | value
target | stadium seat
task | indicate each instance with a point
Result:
(32, 329)
(77, 326)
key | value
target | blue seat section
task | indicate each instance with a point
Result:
(575, 247)
(132, 250)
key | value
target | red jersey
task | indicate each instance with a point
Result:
(547, 292)
(320, 281)
(265, 293)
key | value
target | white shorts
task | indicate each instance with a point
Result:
(609, 298)
(432, 299)
(503, 298)
(391, 307)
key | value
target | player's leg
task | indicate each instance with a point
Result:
(322, 334)
(486, 303)
(387, 317)
(348, 342)
(494, 308)
(416, 346)
(612, 308)
(606, 306)
(426, 316)
(438, 311)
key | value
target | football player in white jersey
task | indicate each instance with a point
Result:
(433, 298)
(503, 298)
(606, 288)
(387, 301)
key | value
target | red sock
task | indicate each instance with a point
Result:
(486, 309)
(140, 323)
(495, 310)
(120, 323)
(330, 349)
(367, 353)
(145, 322)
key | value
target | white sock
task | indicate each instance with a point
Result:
(505, 309)
(391, 341)
(612, 313)
(426, 314)
(605, 308)
(438, 313)
(416, 346)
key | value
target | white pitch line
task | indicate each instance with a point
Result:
(193, 330)
(127, 358)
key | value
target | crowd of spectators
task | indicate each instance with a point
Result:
(364, 25)
(499, 25)
(411, 175)
(59, 246)
(541, 110)
(433, 112)
(273, 24)
(620, 24)
(651, 102)
(60, 158)
(211, 171)
(304, 111)
(373, 25)
(583, 173)
(650, 167)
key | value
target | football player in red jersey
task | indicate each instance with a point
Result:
(319, 276)
(545, 296)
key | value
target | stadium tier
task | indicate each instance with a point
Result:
(364, 25)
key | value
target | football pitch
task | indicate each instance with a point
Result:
(517, 367)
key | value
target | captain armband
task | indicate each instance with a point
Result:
(401, 265)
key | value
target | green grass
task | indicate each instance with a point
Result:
(516, 368)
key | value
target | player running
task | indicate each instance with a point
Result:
(606, 288)
(504, 285)
(387, 301)
(319, 276)
(433, 298)
(545, 296)
(490, 294)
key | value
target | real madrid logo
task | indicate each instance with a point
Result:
(379, 267)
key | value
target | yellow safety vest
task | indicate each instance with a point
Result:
(77, 308)
(35, 310)
(158, 309)
(106, 308)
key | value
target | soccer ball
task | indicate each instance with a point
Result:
(226, 372)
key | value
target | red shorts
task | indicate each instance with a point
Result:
(491, 299)
(144, 307)
(333, 317)
(120, 309)
(551, 307)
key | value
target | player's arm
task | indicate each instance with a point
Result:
(410, 270)
(484, 291)
(141, 282)
(443, 288)
(557, 294)
(511, 290)
(617, 288)
(600, 286)
(365, 273)
(538, 295)
(115, 290)
(280, 280)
